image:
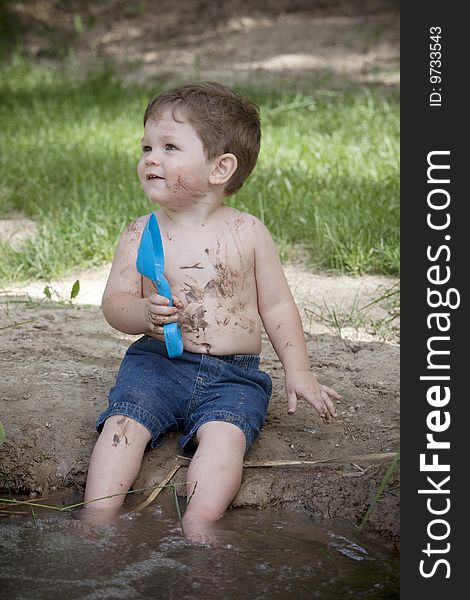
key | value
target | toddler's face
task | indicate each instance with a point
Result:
(173, 169)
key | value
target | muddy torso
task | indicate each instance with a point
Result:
(210, 269)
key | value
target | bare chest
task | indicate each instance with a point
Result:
(206, 268)
(212, 278)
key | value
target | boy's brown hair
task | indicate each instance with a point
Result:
(224, 121)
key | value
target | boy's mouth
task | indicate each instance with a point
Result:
(153, 176)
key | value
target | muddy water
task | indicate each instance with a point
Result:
(255, 555)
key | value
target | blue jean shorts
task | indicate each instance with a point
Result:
(180, 394)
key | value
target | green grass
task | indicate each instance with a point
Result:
(327, 177)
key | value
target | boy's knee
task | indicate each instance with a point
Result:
(124, 430)
(221, 433)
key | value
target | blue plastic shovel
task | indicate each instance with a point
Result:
(151, 264)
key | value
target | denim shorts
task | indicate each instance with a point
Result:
(180, 394)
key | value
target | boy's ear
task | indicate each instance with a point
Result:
(224, 166)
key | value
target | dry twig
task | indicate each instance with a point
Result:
(292, 463)
(155, 492)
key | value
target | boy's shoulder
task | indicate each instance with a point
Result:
(135, 227)
(240, 219)
(139, 222)
(248, 228)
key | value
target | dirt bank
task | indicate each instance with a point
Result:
(56, 371)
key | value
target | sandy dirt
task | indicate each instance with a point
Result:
(56, 369)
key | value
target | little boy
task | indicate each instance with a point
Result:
(200, 143)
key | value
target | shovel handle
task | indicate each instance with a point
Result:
(173, 339)
(171, 331)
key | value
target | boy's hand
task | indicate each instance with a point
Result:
(304, 384)
(158, 313)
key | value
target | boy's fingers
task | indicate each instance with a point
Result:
(163, 311)
(318, 402)
(291, 403)
(157, 332)
(331, 392)
(158, 319)
(329, 404)
(160, 300)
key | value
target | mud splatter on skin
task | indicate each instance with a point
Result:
(223, 323)
(245, 323)
(289, 344)
(192, 308)
(239, 221)
(237, 308)
(134, 228)
(123, 424)
(196, 266)
(225, 282)
(117, 439)
(132, 235)
(280, 325)
(181, 186)
(207, 347)
(178, 304)
(241, 321)
(210, 287)
(194, 321)
(225, 286)
(237, 242)
(193, 293)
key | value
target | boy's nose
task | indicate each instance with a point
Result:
(152, 159)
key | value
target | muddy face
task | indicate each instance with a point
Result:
(186, 191)
(173, 169)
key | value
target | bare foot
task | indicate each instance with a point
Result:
(200, 531)
(99, 516)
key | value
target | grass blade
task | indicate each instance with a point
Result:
(160, 487)
(380, 489)
(178, 510)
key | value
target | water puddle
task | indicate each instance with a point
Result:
(257, 555)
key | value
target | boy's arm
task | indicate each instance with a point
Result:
(123, 305)
(283, 324)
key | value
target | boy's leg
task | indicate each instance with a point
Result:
(217, 468)
(115, 461)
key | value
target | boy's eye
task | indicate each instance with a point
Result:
(146, 149)
(170, 147)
